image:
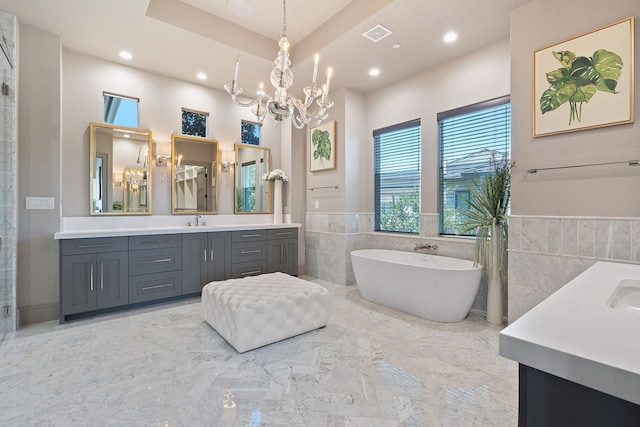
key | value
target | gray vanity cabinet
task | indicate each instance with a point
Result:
(109, 272)
(206, 257)
(94, 274)
(283, 251)
(249, 253)
(155, 267)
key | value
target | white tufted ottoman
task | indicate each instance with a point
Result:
(260, 310)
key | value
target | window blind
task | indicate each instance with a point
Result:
(397, 177)
(469, 138)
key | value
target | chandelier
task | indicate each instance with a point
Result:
(282, 104)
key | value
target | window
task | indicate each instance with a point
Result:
(194, 123)
(397, 177)
(120, 110)
(250, 132)
(469, 137)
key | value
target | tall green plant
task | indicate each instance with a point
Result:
(487, 216)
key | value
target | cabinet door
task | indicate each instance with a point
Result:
(77, 287)
(283, 256)
(290, 261)
(219, 256)
(112, 279)
(194, 262)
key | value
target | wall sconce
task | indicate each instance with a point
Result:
(161, 160)
(228, 158)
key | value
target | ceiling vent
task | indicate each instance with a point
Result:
(377, 33)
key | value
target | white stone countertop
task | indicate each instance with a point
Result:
(574, 334)
(143, 231)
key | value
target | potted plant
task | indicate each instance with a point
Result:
(487, 215)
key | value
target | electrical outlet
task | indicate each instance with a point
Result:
(317, 204)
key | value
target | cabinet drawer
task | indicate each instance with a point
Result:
(248, 236)
(248, 251)
(154, 261)
(283, 233)
(93, 245)
(249, 269)
(155, 241)
(155, 286)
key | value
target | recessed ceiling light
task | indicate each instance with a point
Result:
(201, 76)
(125, 55)
(374, 72)
(241, 8)
(450, 37)
(396, 45)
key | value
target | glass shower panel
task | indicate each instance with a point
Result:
(8, 173)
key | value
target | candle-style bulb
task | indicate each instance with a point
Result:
(315, 69)
(235, 75)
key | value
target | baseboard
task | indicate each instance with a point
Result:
(37, 314)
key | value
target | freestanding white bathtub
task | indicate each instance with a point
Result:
(431, 286)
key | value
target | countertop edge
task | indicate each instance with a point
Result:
(118, 232)
(589, 373)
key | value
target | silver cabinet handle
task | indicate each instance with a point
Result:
(289, 233)
(151, 242)
(166, 285)
(246, 236)
(205, 255)
(156, 260)
(256, 251)
(94, 246)
(91, 277)
(247, 273)
(211, 257)
(101, 274)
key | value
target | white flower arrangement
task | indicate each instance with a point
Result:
(276, 174)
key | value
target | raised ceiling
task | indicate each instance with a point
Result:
(181, 38)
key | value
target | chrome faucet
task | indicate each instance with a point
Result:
(197, 220)
(425, 246)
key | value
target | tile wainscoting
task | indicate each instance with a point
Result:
(330, 238)
(545, 253)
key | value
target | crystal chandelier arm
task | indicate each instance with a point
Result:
(235, 91)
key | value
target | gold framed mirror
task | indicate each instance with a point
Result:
(252, 193)
(194, 171)
(114, 151)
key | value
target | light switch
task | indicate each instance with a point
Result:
(317, 204)
(40, 203)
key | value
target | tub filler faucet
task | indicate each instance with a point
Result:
(427, 246)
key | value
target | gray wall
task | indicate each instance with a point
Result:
(566, 220)
(599, 191)
(161, 100)
(39, 119)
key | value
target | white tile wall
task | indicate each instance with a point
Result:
(547, 252)
(8, 176)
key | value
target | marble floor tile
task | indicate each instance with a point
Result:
(165, 366)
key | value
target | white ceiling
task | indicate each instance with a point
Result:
(181, 38)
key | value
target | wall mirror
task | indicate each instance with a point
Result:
(120, 175)
(252, 194)
(194, 168)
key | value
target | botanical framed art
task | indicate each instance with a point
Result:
(585, 82)
(322, 151)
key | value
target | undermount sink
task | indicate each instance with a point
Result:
(626, 296)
